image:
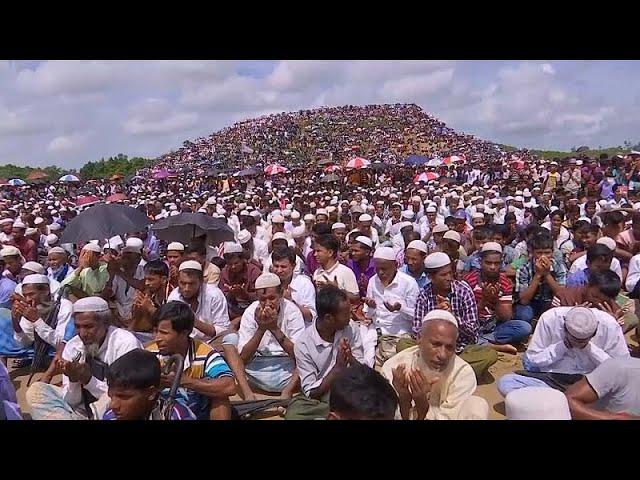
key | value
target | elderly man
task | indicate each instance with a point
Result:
(91, 276)
(568, 342)
(432, 382)
(389, 307)
(83, 365)
(268, 331)
(296, 287)
(59, 268)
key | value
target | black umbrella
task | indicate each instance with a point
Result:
(377, 166)
(330, 178)
(104, 221)
(186, 226)
(248, 171)
(326, 161)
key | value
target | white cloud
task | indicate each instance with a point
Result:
(65, 144)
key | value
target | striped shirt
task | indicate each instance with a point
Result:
(463, 306)
(526, 272)
(477, 285)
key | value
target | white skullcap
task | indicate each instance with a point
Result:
(243, 237)
(175, 246)
(452, 235)
(581, 323)
(309, 216)
(92, 247)
(174, 213)
(322, 211)
(232, 247)
(36, 278)
(437, 260)
(608, 241)
(439, 315)
(267, 280)
(286, 213)
(407, 214)
(19, 224)
(255, 213)
(133, 245)
(477, 215)
(277, 219)
(519, 199)
(31, 231)
(431, 210)
(298, 232)
(58, 250)
(418, 245)
(416, 198)
(385, 253)
(9, 251)
(90, 304)
(295, 215)
(313, 205)
(537, 403)
(38, 221)
(365, 217)
(492, 247)
(331, 209)
(365, 241)
(190, 265)
(6, 220)
(34, 267)
(52, 238)
(202, 210)
(337, 225)
(440, 228)
(279, 236)
(402, 225)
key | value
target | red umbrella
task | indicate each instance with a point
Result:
(86, 200)
(332, 168)
(274, 169)
(117, 197)
(454, 159)
(358, 163)
(425, 177)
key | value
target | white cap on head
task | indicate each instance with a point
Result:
(437, 260)
(365, 241)
(365, 217)
(35, 279)
(309, 216)
(492, 247)
(133, 245)
(581, 323)
(38, 221)
(431, 210)
(175, 246)
(92, 247)
(331, 209)
(439, 315)
(58, 250)
(243, 237)
(31, 231)
(453, 235)
(255, 213)
(418, 245)
(267, 280)
(279, 236)
(6, 220)
(537, 403)
(190, 265)
(608, 241)
(90, 304)
(277, 219)
(19, 224)
(477, 215)
(52, 238)
(34, 267)
(322, 211)
(337, 225)
(440, 228)
(385, 253)
(298, 232)
(295, 215)
(232, 247)
(9, 251)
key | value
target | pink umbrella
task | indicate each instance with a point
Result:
(86, 200)
(161, 174)
(358, 163)
(425, 177)
(117, 197)
(274, 169)
(454, 159)
(332, 168)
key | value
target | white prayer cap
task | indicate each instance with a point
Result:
(190, 265)
(416, 198)
(431, 210)
(402, 225)
(581, 323)
(38, 221)
(407, 214)
(36, 278)
(298, 232)
(211, 201)
(277, 219)
(174, 213)
(492, 247)
(309, 216)
(437, 260)
(31, 231)
(58, 250)
(202, 210)
(255, 213)
(418, 245)
(232, 247)
(537, 403)
(267, 280)
(54, 227)
(337, 225)
(295, 215)
(440, 228)
(133, 245)
(6, 220)
(175, 246)
(279, 236)
(243, 237)
(34, 267)
(439, 315)
(384, 253)
(453, 235)
(331, 209)
(322, 211)
(365, 241)
(9, 251)
(92, 247)
(608, 241)
(90, 304)
(286, 213)
(19, 224)
(477, 215)
(365, 217)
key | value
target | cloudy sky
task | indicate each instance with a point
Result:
(70, 112)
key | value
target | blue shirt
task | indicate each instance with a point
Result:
(423, 280)
(579, 278)
(7, 287)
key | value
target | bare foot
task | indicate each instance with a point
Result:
(506, 348)
(286, 394)
(249, 396)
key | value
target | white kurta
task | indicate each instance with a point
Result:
(50, 335)
(212, 308)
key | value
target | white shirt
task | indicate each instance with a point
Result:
(212, 308)
(316, 357)
(50, 335)
(580, 263)
(634, 273)
(290, 321)
(51, 276)
(125, 294)
(403, 290)
(548, 352)
(260, 250)
(373, 235)
(117, 342)
(304, 293)
(344, 276)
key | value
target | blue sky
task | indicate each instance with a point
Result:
(71, 112)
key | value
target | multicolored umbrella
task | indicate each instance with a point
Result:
(332, 168)
(454, 159)
(69, 178)
(84, 200)
(358, 163)
(16, 182)
(274, 169)
(425, 177)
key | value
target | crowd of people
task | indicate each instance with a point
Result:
(376, 299)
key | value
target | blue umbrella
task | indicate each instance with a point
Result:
(16, 182)
(415, 160)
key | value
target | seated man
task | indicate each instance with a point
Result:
(632, 284)
(324, 349)
(297, 287)
(59, 268)
(133, 382)
(361, 262)
(599, 257)
(91, 276)
(538, 280)
(207, 382)
(175, 255)
(197, 251)
(13, 262)
(31, 268)
(360, 393)
(253, 248)
(326, 249)
(83, 364)
(278, 241)
(237, 281)
(414, 257)
(493, 292)
(9, 408)
(268, 331)
(7, 287)
(389, 307)
(149, 300)
(610, 392)
(432, 382)
(571, 341)
(479, 237)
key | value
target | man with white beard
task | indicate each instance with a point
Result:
(83, 365)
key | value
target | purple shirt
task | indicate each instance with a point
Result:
(362, 276)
